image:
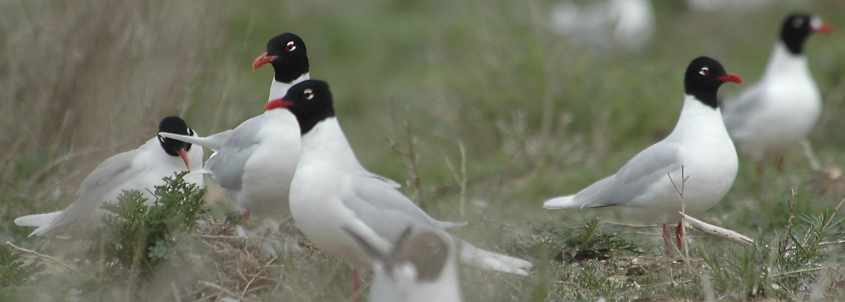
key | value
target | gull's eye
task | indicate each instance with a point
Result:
(704, 71)
(290, 46)
(816, 22)
(308, 94)
(798, 23)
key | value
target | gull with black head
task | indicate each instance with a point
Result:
(779, 112)
(289, 57)
(140, 169)
(690, 170)
(255, 161)
(331, 191)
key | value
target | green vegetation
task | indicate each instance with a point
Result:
(141, 236)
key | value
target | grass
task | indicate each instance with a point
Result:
(475, 106)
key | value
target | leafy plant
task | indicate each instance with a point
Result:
(14, 271)
(140, 236)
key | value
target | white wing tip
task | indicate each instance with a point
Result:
(494, 261)
(563, 202)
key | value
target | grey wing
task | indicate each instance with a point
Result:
(227, 164)
(386, 180)
(109, 174)
(631, 181)
(737, 110)
(381, 207)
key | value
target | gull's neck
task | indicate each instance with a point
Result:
(326, 143)
(782, 62)
(278, 89)
(697, 117)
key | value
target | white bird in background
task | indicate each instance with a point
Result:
(779, 111)
(697, 160)
(331, 190)
(421, 267)
(713, 5)
(140, 169)
(626, 23)
(255, 161)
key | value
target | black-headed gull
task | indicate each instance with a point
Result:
(140, 169)
(255, 161)
(289, 57)
(421, 267)
(697, 160)
(778, 112)
(331, 190)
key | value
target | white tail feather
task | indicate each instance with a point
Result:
(488, 260)
(563, 202)
(207, 142)
(450, 225)
(41, 222)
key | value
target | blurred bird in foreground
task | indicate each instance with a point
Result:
(421, 267)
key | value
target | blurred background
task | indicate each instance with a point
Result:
(481, 108)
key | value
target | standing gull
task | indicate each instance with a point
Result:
(697, 160)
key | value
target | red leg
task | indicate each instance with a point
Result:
(667, 242)
(356, 285)
(245, 214)
(680, 232)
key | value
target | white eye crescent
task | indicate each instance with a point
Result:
(290, 46)
(704, 71)
(308, 94)
(816, 23)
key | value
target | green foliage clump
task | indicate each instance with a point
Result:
(14, 271)
(592, 243)
(784, 266)
(140, 236)
(584, 243)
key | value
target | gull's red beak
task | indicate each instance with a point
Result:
(184, 155)
(731, 78)
(823, 28)
(278, 103)
(262, 59)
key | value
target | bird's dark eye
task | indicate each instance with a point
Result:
(290, 46)
(309, 95)
(797, 23)
(704, 71)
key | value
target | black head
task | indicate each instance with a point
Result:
(175, 124)
(310, 101)
(703, 78)
(797, 28)
(288, 56)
